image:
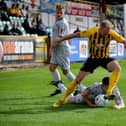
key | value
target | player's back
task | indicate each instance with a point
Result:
(95, 90)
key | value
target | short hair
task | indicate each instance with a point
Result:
(60, 6)
(105, 23)
(105, 81)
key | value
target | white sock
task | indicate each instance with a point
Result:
(70, 76)
(63, 89)
(56, 75)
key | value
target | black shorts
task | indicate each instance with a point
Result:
(91, 64)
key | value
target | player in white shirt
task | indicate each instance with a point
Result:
(60, 55)
(87, 94)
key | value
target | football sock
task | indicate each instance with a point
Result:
(113, 81)
(62, 88)
(70, 76)
(56, 75)
(70, 89)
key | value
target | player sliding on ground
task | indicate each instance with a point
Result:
(99, 40)
(88, 94)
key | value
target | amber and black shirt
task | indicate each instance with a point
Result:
(98, 45)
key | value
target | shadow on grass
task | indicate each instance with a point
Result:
(44, 108)
(22, 98)
(37, 105)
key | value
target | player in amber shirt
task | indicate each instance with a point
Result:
(99, 40)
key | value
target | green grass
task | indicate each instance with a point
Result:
(24, 100)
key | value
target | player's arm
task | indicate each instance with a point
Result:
(118, 37)
(124, 41)
(62, 38)
(86, 99)
(119, 106)
(85, 33)
(119, 102)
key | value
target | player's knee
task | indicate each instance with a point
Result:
(78, 81)
(118, 68)
(51, 68)
(65, 72)
(114, 67)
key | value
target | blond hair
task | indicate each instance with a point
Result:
(106, 23)
(60, 6)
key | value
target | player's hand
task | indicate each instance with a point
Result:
(120, 106)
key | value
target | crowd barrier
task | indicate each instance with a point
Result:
(17, 49)
(79, 49)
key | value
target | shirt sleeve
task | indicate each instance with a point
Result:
(88, 32)
(117, 36)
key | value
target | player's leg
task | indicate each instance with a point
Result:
(71, 87)
(56, 76)
(64, 63)
(55, 72)
(69, 75)
(78, 98)
(116, 70)
(53, 67)
(65, 66)
(86, 69)
(61, 89)
(80, 88)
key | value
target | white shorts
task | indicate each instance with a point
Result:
(61, 60)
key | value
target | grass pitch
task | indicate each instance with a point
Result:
(24, 100)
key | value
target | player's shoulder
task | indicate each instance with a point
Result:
(91, 30)
(113, 32)
(97, 83)
(94, 28)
